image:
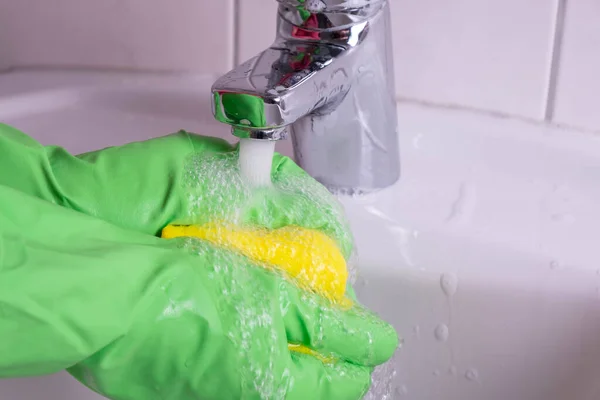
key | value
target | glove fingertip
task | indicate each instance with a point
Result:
(202, 143)
(386, 344)
(283, 163)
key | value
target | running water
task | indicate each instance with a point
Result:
(256, 158)
(384, 385)
(240, 188)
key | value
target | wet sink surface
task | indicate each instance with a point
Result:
(484, 255)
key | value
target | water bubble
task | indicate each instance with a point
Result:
(352, 265)
(441, 332)
(217, 190)
(383, 381)
(436, 372)
(449, 284)
(554, 265)
(472, 375)
(453, 370)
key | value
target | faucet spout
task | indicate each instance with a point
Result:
(328, 81)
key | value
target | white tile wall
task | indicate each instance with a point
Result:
(151, 34)
(485, 54)
(578, 88)
(477, 53)
(257, 24)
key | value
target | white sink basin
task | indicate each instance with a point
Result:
(484, 255)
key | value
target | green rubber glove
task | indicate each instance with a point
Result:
(85, 284)
(180, 178)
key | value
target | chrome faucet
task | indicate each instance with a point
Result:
(328, 80)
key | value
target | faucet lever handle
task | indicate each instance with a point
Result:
(328, 14)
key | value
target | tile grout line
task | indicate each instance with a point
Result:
(236, 32)
(556, 50)
(493, 114)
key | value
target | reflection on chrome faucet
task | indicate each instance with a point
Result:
(328, 80)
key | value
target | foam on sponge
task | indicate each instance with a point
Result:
(311, 258)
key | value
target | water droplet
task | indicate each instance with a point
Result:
(400, 344)
(402, 390)
(563, 218)
(453, 370)
(362, 282)
(441, 332)
(416, 142)
(472, 375)
(417, 331)
(436, 372)
(449, 284)
(466, 201)
(405, 238)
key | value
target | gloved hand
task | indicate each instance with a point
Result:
(85, 284)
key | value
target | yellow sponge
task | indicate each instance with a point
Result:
(309, 256)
